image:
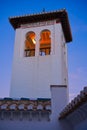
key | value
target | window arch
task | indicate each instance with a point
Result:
(45, 42)
(30, 44)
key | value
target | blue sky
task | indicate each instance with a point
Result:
(77, 49)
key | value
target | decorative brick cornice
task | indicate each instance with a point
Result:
(25, 104)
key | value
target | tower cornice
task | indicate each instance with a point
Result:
(59, 15)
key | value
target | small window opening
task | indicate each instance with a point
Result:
(45, 43)
(30, 43)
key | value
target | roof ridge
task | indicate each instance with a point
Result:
(45, 12)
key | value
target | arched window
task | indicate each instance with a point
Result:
(45, 43)
(30, 44)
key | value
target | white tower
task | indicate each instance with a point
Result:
(40, 54)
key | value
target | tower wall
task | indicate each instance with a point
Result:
(32, 76)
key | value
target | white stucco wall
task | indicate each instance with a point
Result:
(24, 123)
(59, 99)
(77, 120)
(81, 126)
(27, 125)
(32, 76)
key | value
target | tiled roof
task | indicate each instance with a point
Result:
(75, 104)
(60, 15)
(25, 104)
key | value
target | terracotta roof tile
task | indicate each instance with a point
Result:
(75, 104)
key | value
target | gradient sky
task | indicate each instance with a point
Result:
(77, 49)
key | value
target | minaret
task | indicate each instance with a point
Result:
(40, 54)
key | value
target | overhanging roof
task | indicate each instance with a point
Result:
(45, 16)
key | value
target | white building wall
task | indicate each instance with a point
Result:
(32, 76)
(24, 123)
(81, 126)
(58, 92)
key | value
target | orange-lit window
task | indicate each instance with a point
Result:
(45, 43)
(30, 44)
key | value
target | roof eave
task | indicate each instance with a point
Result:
(61, 14)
